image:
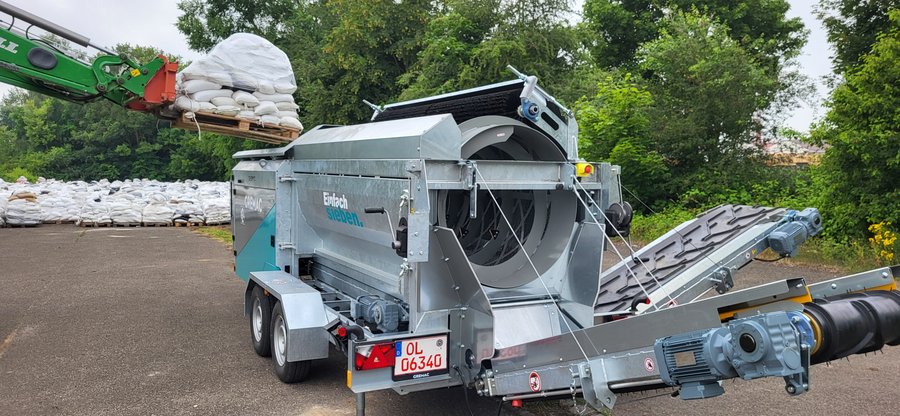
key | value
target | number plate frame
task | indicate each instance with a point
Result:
(436, 345)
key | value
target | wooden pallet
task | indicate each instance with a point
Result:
(157, 224)
(188, 224)
(59, 222)
(21, 225)
(236, 127)
(128, 225)
(95, 224)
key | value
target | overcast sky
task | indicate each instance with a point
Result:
(152, 23)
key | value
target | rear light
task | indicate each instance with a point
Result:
(341, 331)
(370, 357)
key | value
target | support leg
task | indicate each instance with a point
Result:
(360, 404)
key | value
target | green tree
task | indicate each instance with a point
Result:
(206, 22)
(862, 129)
(759, 26)
(701, 92)
(853, 26)
(473, 42)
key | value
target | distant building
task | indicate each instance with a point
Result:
(792, 152)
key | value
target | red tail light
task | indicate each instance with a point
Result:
(370, 357)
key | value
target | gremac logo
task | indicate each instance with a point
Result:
(336, 207)
(251, 204)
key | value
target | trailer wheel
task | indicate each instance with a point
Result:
(287, 371)
(260, 322)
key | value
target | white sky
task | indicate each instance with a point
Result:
(152, 23)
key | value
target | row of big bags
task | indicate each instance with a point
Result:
(131, 202)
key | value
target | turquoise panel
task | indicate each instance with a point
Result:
(258, 254)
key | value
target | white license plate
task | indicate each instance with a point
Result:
(420, 357)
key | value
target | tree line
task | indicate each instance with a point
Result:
(681, 93)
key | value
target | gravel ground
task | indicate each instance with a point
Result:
(118, 321)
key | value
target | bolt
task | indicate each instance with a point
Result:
(885, 275)
(795, 319)
(791, 389)
(446, 259)
(416, 234)
(421, 252)
(462, 316)
(455, 287)
(834, 285)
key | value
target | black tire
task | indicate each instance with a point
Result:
(287, 371)
(262, 339)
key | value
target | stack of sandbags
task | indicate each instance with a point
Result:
(157, 211)
(23, 209)
(244, 76)
(216, 210)
(125, 209)
(187, 210)
(95, 211)
(59, 206)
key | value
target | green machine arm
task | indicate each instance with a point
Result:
(38, 66)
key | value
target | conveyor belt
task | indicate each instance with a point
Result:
(500, 100)
(674, 253)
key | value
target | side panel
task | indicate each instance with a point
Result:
(253, 216)
(258, 254)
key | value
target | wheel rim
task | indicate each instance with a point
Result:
(257, 320)
(280, 340)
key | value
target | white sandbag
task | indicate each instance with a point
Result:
(224, 102)
(285, 88)
(244, 81)
(228, 110)
(197, 85)
(208, 95)
(292, 114)
(157, 211)
(183, 103)
(287, 106)
(274, 97)
(265, 108)
(265, 87)
(244, 56)
(245, 98)
(290, 122)
(248, 115)
(206, 107)
(269, 120)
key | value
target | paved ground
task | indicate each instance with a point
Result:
(148, 321)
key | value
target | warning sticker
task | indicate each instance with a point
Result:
(649, 365)
(534, 381)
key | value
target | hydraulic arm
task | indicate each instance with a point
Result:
(37, 65)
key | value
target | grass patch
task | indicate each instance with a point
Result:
(221, 233)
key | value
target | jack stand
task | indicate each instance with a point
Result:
(360, 404)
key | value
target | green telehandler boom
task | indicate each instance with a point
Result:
(33, 62)
(36, 64)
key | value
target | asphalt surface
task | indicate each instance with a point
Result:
(121, 321)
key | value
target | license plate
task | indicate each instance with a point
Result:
(420, 357)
